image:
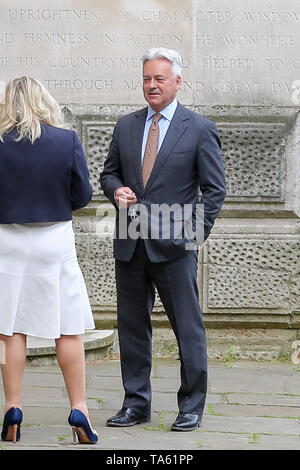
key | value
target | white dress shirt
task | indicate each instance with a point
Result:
(164, 122)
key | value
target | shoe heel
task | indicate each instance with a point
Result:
(12, 433)
(15, 430)
(74, 435)
(81, 427)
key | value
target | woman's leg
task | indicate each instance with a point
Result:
(71, 359)
(13, 368)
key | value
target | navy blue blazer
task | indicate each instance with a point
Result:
(44, 181)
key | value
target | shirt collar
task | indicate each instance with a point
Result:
(167, 112)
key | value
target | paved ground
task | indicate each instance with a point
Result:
(250, 405)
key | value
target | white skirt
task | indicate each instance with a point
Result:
(42, 290)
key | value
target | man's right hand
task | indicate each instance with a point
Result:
(125, 197)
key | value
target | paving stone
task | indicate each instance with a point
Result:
(238, 399)
(246, 381)
(293, 387)
(51, 437)
(253, 424)
(255, 410)
(245, 441)
(263, 399)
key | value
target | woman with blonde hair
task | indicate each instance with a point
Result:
(43, 178)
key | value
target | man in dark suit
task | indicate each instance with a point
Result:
(161, 156)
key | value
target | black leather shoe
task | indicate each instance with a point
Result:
(186, 422)
(127, 417)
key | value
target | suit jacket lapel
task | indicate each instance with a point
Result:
(136, 136)
(176, 128)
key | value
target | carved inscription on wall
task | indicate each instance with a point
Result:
(90, 52)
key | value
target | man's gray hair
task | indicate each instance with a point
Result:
(162, 53)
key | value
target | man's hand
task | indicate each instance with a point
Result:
(124, 197)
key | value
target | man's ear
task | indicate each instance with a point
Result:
(178, 82)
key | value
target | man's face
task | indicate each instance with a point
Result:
(159, 84)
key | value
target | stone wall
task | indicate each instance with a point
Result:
(241, 68)
(249, 268)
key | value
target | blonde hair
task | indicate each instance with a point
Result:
(27, 104)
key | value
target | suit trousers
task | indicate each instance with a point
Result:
(176, 283)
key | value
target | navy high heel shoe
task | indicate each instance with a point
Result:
(11, 429)
(80, 426)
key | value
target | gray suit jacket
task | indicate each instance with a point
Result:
(189, 159)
